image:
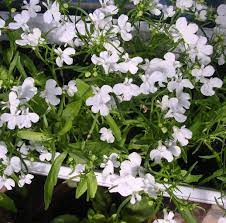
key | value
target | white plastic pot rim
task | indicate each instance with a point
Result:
(200, 195)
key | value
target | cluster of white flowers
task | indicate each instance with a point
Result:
(168, 218)
(9, 167)
(132, 179)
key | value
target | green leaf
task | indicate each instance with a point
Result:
(29, 64)
(32, 136)
(13, 63)
(72, 110)
(114, 127)
(7, 203)
(81, 188)
(192, 178)
(91, 185)
(66, 128)
(52, 179)
(84, 90)
(187, 215)
(65, 219)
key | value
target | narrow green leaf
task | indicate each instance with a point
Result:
(33, 136)
(114, 127)
(81, 188)
(7, 203)
(51, 179)
(72, 110)
(66, 128)
(13, 63)
(91, 184)
(84, 90)
(187, 215)
(29, 64)
(66, 219)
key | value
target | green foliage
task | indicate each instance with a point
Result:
(7, 203)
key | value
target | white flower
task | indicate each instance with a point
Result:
(106, 59)
(13, 165)
(129, 65)
(185, 31)
(8, 183)
(221, 18)
(183, 100)
(202, 73)
(168, 11)
(124, 27)
(20, 21)
(182, 135)
(25, 179)
(2, 24)
(184, 4)
(109, 164)
(209, 84)
(32, 39)
(67, 33)
(221, 59)
(106, 135)
(100, 101)
(11, 119)
(222, 220)
(128, 185)
(201, 51)
(168, 218)
(126, 90)
(173, 148)
(32, 7)
(51, 92)
(26, 91)
(108, 7)
(53, 12)
(161, 152)
(3, 150)
(45, 155)
(64, 56)
(155, 7)
(132, 165)
(176, 110)
(26, 118)
(71, 88)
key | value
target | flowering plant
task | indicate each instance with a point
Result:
(134, 95)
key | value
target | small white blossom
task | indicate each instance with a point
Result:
(100, 102)
(124, 27)
(108, 7)
(67, 32)
(221, 18)
(3, 150)
(222, 220)
(202, 73)
(20, 21)
(8, 183)
(184, 4)
(208, 86)
(13, 165)
(161, 152)
(173, 148)
(64, 56)
(2, 24)
(168, 11)
(126, 90)
(106, 135)
(47, 156)
(168, 218)
(32, 7)
(182, 135)
(25, 179)
(71, 88)
(53, 12)
(51, 92)
(32, 39)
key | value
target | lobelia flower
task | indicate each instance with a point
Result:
(67, 33)
(11, 119)
(20, 21)
(100, 102)
(106, 135)
(3, 150)
(155, 7)
(222, 220)
(184, 5)
(26, 91)
(124, 27)
(202, 73)
(45, 155)
(221, 18)
(173, 148)
(106, 59)
(108, 7)
(53, 12)
(8, 183)
(208, 86)
(129, 65)
(2, 24)
(126, 90)
(25, 179)
(181, 135)
(168, 218)
(168, 11)
(161, 152)
(71, 88)
(183, 100)
(109, 164)
(201, 51)
(51, 92)
(64, 56)
(26, 118)
(13, 165)
(32, 39)
(185, 31)
(132, 166)
(32, 7)
(135, 2)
